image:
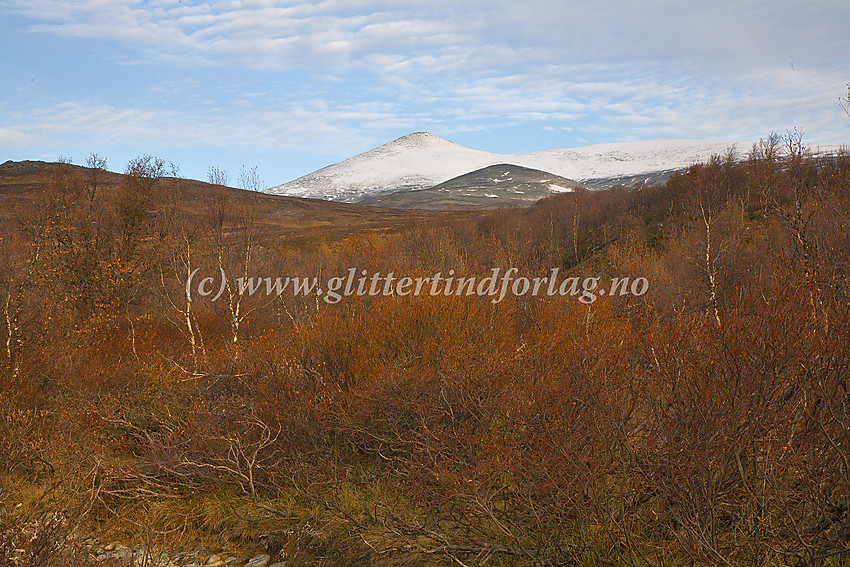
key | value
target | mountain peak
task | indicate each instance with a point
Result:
(419, 136)
(418, 139)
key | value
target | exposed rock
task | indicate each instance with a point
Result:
(139, 556)
(259, 561)
(124, 554)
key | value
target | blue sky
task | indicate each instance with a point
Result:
(290, 87)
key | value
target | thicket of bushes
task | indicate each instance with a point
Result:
(705, 421)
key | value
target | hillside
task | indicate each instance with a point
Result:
(23, 185)
(492, 187)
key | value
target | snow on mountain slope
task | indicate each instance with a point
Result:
(422, 160)
(628, 158)
(415, 161)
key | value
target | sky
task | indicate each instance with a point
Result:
(289, 87)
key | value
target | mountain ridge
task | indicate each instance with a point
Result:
(421, 160)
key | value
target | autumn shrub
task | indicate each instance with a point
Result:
(702, 422)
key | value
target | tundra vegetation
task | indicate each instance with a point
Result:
(706, 422)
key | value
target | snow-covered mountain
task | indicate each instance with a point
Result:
(415, 161)
(422, 160)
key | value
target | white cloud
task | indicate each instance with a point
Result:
(365, 69)
(727, 40)
(299, 126)
(731, 37)
(11, 137)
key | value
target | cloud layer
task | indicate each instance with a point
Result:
(337, 76)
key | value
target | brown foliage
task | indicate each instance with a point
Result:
(705, 421)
